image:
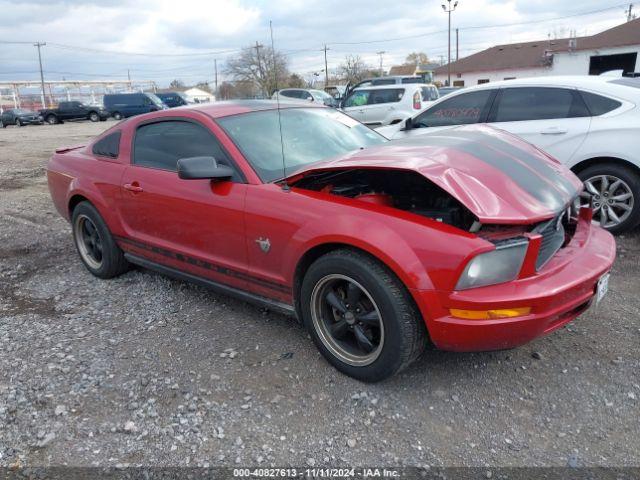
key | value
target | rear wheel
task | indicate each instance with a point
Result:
(360, 316)
(51, 119)
(615, 193)
(95, 244)
(117, 115)
(94, 117)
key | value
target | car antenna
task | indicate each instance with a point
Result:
(285, 186)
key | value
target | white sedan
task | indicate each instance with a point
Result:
(591, 124)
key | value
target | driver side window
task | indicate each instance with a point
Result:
(459, 110)
(357, 99)
(161, 144)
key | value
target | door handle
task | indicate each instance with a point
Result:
(133, 187)
(553, 131)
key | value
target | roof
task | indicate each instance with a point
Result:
(407, 69)
(618, 87)
(394, 85)
(234, 107)
(534, 54)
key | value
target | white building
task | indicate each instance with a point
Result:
(615, 49)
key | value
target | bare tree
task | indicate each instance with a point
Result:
(260, 65)
(354, 69)
(416, 58)
(296, 81)
(176, 83)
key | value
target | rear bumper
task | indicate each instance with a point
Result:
(557, 294)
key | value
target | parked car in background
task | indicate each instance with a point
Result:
(388, 80)
(447, 90)
(124, 105)
(336, 91)
(461, 241)
(20, 117)
(173, 99)
(388, 105)
(74, 110)
(591, 124)
(305, 94)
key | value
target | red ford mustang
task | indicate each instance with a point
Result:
(467, 238)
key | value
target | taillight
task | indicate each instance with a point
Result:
(417, 104)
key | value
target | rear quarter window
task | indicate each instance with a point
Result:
(598, 104)
(108, 146)
(387, 95)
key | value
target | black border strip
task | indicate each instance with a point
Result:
(206, 265)
(205, 282)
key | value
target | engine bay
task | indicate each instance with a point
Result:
(400, 189)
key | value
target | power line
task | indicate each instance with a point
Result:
(479, 27)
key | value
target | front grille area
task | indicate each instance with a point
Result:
(553, 237)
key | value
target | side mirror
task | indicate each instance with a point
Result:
(408, 124)
(194, 168)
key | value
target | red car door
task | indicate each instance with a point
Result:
(195, 226)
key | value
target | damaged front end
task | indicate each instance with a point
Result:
(400, 189)
(520, 249)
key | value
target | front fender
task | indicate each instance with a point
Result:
(374, 237)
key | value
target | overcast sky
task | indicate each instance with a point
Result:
(99, 39)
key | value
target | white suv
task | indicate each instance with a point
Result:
(591, 124)
(388, 104)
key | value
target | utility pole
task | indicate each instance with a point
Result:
(129, 77)
(41, 44)
(448, 9)
(457, 45)
(215, 67)
(630, 15)
(326, 68)
(381, 54)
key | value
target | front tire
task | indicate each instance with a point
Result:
(360, 316)
(97, 249)
(51, 119)
(18, 122)
(615, 192)
(94, 117)
(117, 115)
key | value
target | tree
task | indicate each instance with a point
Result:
(295, 81)
(416, 58)
(240, 89)
(176, 83)
(204, 86)
(259, 65)
(354, 69)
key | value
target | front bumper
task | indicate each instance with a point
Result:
(31, 121)
(557, 294)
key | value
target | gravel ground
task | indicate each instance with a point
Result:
(144, 370)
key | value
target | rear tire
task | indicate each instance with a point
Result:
(623, 202)
(94, 117)
(97, 249)
(117, 115)
(389, 347)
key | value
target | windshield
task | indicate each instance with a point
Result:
(155, 100)
(21, 111)
(309, 135)
(320, 95)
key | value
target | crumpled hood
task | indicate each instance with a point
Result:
(497, 176)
